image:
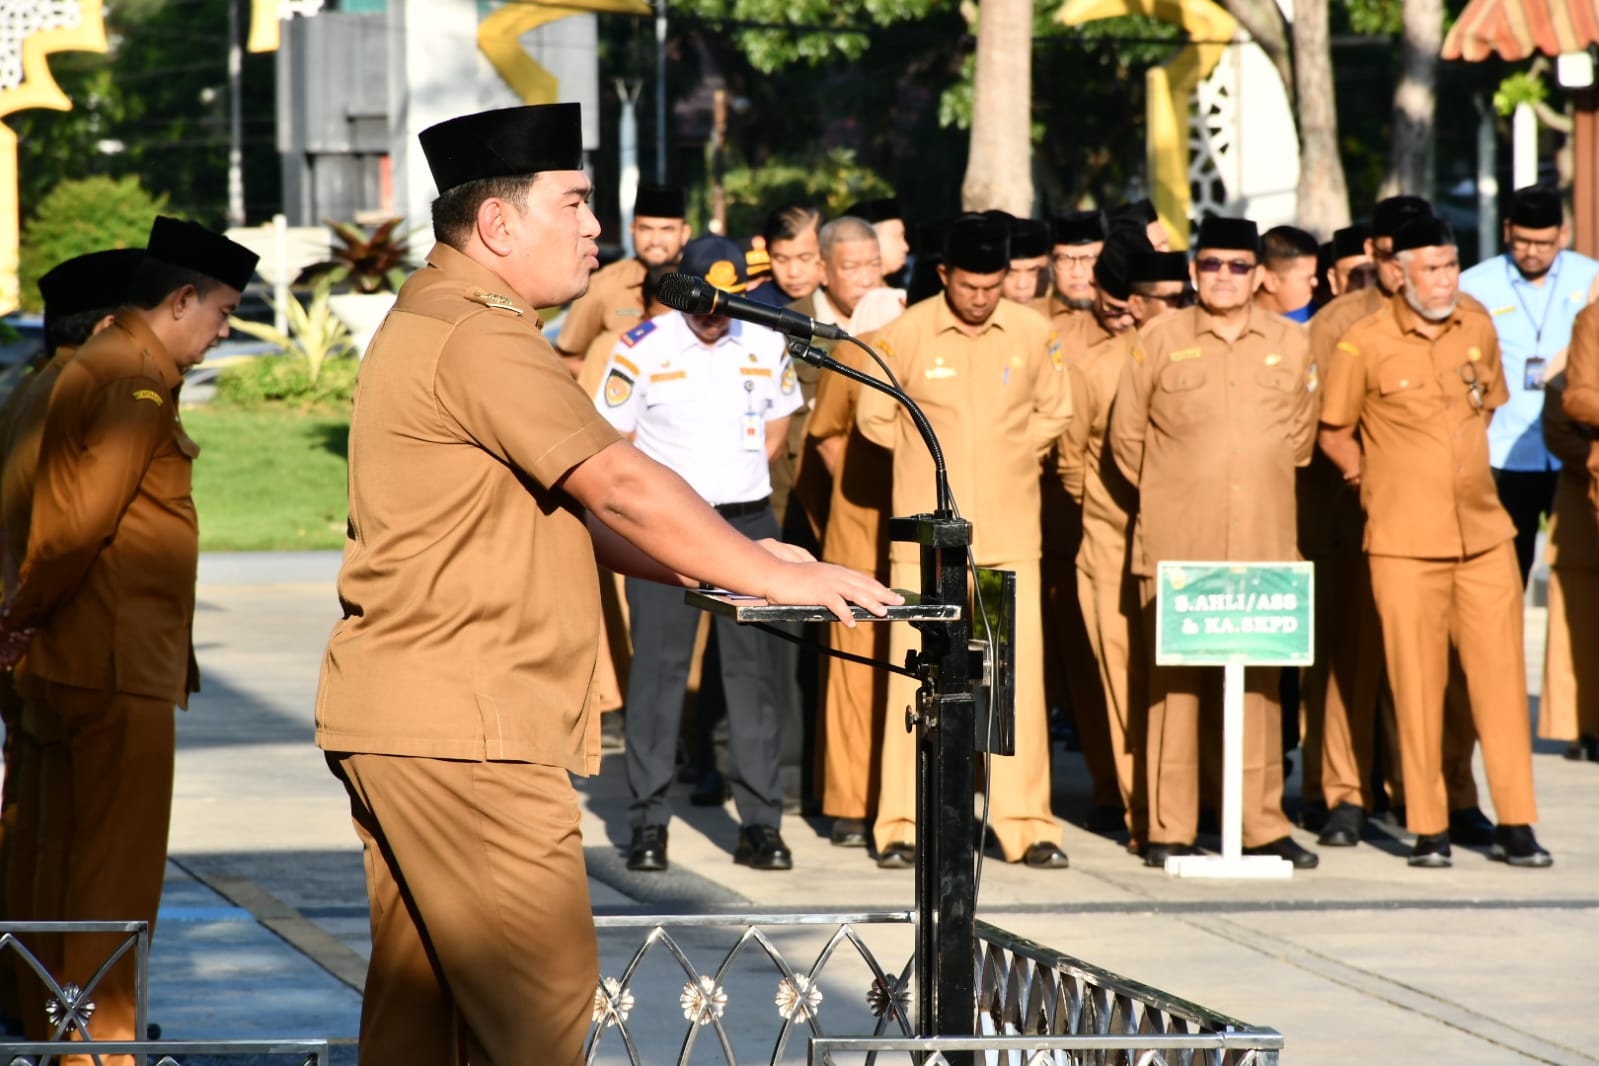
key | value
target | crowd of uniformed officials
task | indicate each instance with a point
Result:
(524, 516)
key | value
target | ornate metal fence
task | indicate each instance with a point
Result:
(69, 1008)
(720, 976)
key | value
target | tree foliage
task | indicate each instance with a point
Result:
(774, 34)
(82, 216)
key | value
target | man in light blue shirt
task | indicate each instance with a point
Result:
(1533, 291)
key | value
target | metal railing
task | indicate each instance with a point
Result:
(69, 1008)
(1037, 1004)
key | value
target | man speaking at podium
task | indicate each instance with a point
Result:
(453, 702)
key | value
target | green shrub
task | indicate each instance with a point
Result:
(287, 380)
(832, 183)
(81, 216)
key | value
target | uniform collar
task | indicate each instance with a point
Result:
(944, 318)
(1258, 321)
(144, 338)
(687, 340)
(480, 284)
(1550, 278)
(1408, 321)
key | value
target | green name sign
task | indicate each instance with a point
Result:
(1255, 614)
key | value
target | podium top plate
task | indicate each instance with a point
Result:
(755, 609)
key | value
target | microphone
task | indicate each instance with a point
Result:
(696, 296)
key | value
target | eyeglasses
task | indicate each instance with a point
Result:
(1177, 300)
(1236, 267)
(1518, 241)
(1468, 374)
(1064, 260)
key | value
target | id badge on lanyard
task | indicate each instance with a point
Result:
(752, 433)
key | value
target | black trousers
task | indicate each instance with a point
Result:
(1527, 495)
(663, 629)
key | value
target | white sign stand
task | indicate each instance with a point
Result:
(1232, 863)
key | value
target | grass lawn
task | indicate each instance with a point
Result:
(269, 480)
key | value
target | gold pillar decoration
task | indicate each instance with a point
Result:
(29, 31)
(1168, 91)
(499, 39)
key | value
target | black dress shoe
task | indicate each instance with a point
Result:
(1043, 855)
(1313, 816)
(1431, 850)
(647, 850)
(712, 791)
(1584, 749)
(1516, 845)
(761, 847)
(1469, 826)
(900, 855)
(1107, 818)
(1344, 827)
(1156, 854)
(1287, 848)
(849, 833)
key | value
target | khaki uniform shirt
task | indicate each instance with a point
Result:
(1580, 398)
(471, 602)
(997, 401)
(614, 303)
(1061, 318)
(113, 543)
(863, 479)
(1329, 511)
(21, 432)
(1211, 432)
(1087, 469)
(1573, 529)
(1425, 483)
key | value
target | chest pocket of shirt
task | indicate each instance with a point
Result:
(1275, 379)
(1182, 378)
(1412, 386)
(669, 387)
(1181, 397)
(171, 474)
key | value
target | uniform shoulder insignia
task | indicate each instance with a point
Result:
(149, 394)
(1055, 358)
(493, 299)
(790, 379)
(618, 388)
(1345, 346)
(638, 333)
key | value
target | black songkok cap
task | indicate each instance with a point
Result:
(1127, 237)
(1029, 238)
(504, 143)
(1536, 207)
(978, 244)
(1228, 234)
(1350, 241)
(658, 201)
(1426, 232)
(1079, 227)
(191, 245)
(1157, 266)
(879, 210)
(95, 282)
(1140, 211)
(1394, 212)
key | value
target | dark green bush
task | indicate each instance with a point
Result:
(82, 216)
(286, 380)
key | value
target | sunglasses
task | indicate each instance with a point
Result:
(1173, 299)
(1237, 267)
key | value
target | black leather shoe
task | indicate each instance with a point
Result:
(761, 847)
(1287, 848)
(1344, 827)
(1516, 845)
(1045, 856)
(712, 791)
(1106, 818)
(1313, 816)
(647, 850)
(1156, 854)
(1584, 749)
(900, 855)
(1431, 850)
(1469, 826)
(849, 833)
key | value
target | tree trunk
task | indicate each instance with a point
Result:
(998, 173)
(1263, 21)
(1415, 100)
(1323, 193)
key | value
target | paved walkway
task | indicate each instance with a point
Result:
(264, 924)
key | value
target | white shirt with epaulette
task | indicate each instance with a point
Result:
(701, 410)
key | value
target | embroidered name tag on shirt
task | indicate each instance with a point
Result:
(756, 371)
(151, 395)
(1496, 312)
(939, 372)
(671, 375)
(1182, 354)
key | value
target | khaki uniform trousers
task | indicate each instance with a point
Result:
(1569, 706)
(1019, 785)
(1072, 672)
(105, 790)
(483, 944)
(1479, 600)
(1110, 612)
(16, 865)
(1184, 715)
(852, 720)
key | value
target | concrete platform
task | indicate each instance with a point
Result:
(264, 926)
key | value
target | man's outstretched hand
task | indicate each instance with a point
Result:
(833, 587)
